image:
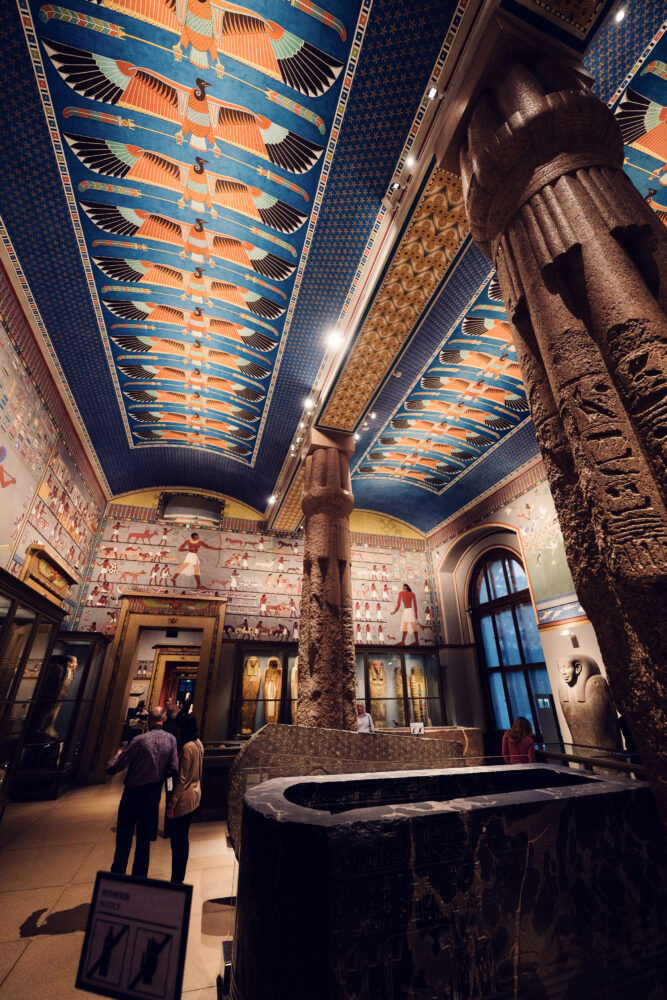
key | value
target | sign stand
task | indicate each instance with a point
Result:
(135, 939)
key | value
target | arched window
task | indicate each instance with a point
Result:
(508, 642)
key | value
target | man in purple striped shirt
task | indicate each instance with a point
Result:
(149, 759)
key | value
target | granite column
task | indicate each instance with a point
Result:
(327, 673)
(582, 264)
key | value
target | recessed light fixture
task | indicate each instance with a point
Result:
(410, 162)
(272, 498)
(432, 93)
(308, 404)
(373, 415)
(334, 338)
(395, 186)
(301, 425)
(357, 437)
(619, 15)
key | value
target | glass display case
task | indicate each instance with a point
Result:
(267, 679)
(399, 686)
(60, 717)
(29, 624)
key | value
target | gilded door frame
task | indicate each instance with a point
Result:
(142, 610)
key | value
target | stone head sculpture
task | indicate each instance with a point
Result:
(574, 672)
(587, 706)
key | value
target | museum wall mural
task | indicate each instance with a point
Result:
(525, 504)
(260, 572)
(27, 438)
(46, 499)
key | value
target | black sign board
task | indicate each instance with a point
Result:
(135, 939)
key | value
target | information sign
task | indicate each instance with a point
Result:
(135, 939)
(416, 728)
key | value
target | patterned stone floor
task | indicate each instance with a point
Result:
(49, 855)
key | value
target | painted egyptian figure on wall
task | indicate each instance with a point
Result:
(586, 703)
(408, 602)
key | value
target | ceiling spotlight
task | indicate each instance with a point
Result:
(395, 186)
(301, 425)
(373, 415)
(308, 404)
(357, 437)
(432, 93)
(619, 15)
(272, 498)
(334, 338)
(410, 162)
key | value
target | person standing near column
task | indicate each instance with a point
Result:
(149, 759)
(186, 796)
(364, 720)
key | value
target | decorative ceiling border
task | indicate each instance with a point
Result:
(373, 444)
(637, 65)
(50, 116)
(572, 22)
(426, 250)
(327, 161)
(289, 514)
(436, 72)
(41, 333)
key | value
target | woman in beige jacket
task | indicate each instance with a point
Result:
(186, 796)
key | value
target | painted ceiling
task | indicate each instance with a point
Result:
(195, 188)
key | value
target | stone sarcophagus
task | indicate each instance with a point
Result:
(532, 883)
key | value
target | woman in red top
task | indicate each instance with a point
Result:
(518, 743)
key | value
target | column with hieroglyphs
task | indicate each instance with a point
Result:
(327, 675)
(582, 264)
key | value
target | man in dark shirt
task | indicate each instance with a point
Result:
(149, 759)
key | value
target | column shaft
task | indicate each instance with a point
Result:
(327, 670)
(582, 263)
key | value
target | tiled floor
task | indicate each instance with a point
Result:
(49, 855)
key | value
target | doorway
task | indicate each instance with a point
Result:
(180, 681)
(195, 664)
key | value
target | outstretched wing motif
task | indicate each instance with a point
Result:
(220, 28)
(151, 373)
(192, 285)
(198, 324)
(197, 187)
(200, 119)
(192, 240)
(643, 123)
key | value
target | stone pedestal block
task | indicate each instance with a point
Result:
(514, 883)
(281, 751)
(582, 264)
